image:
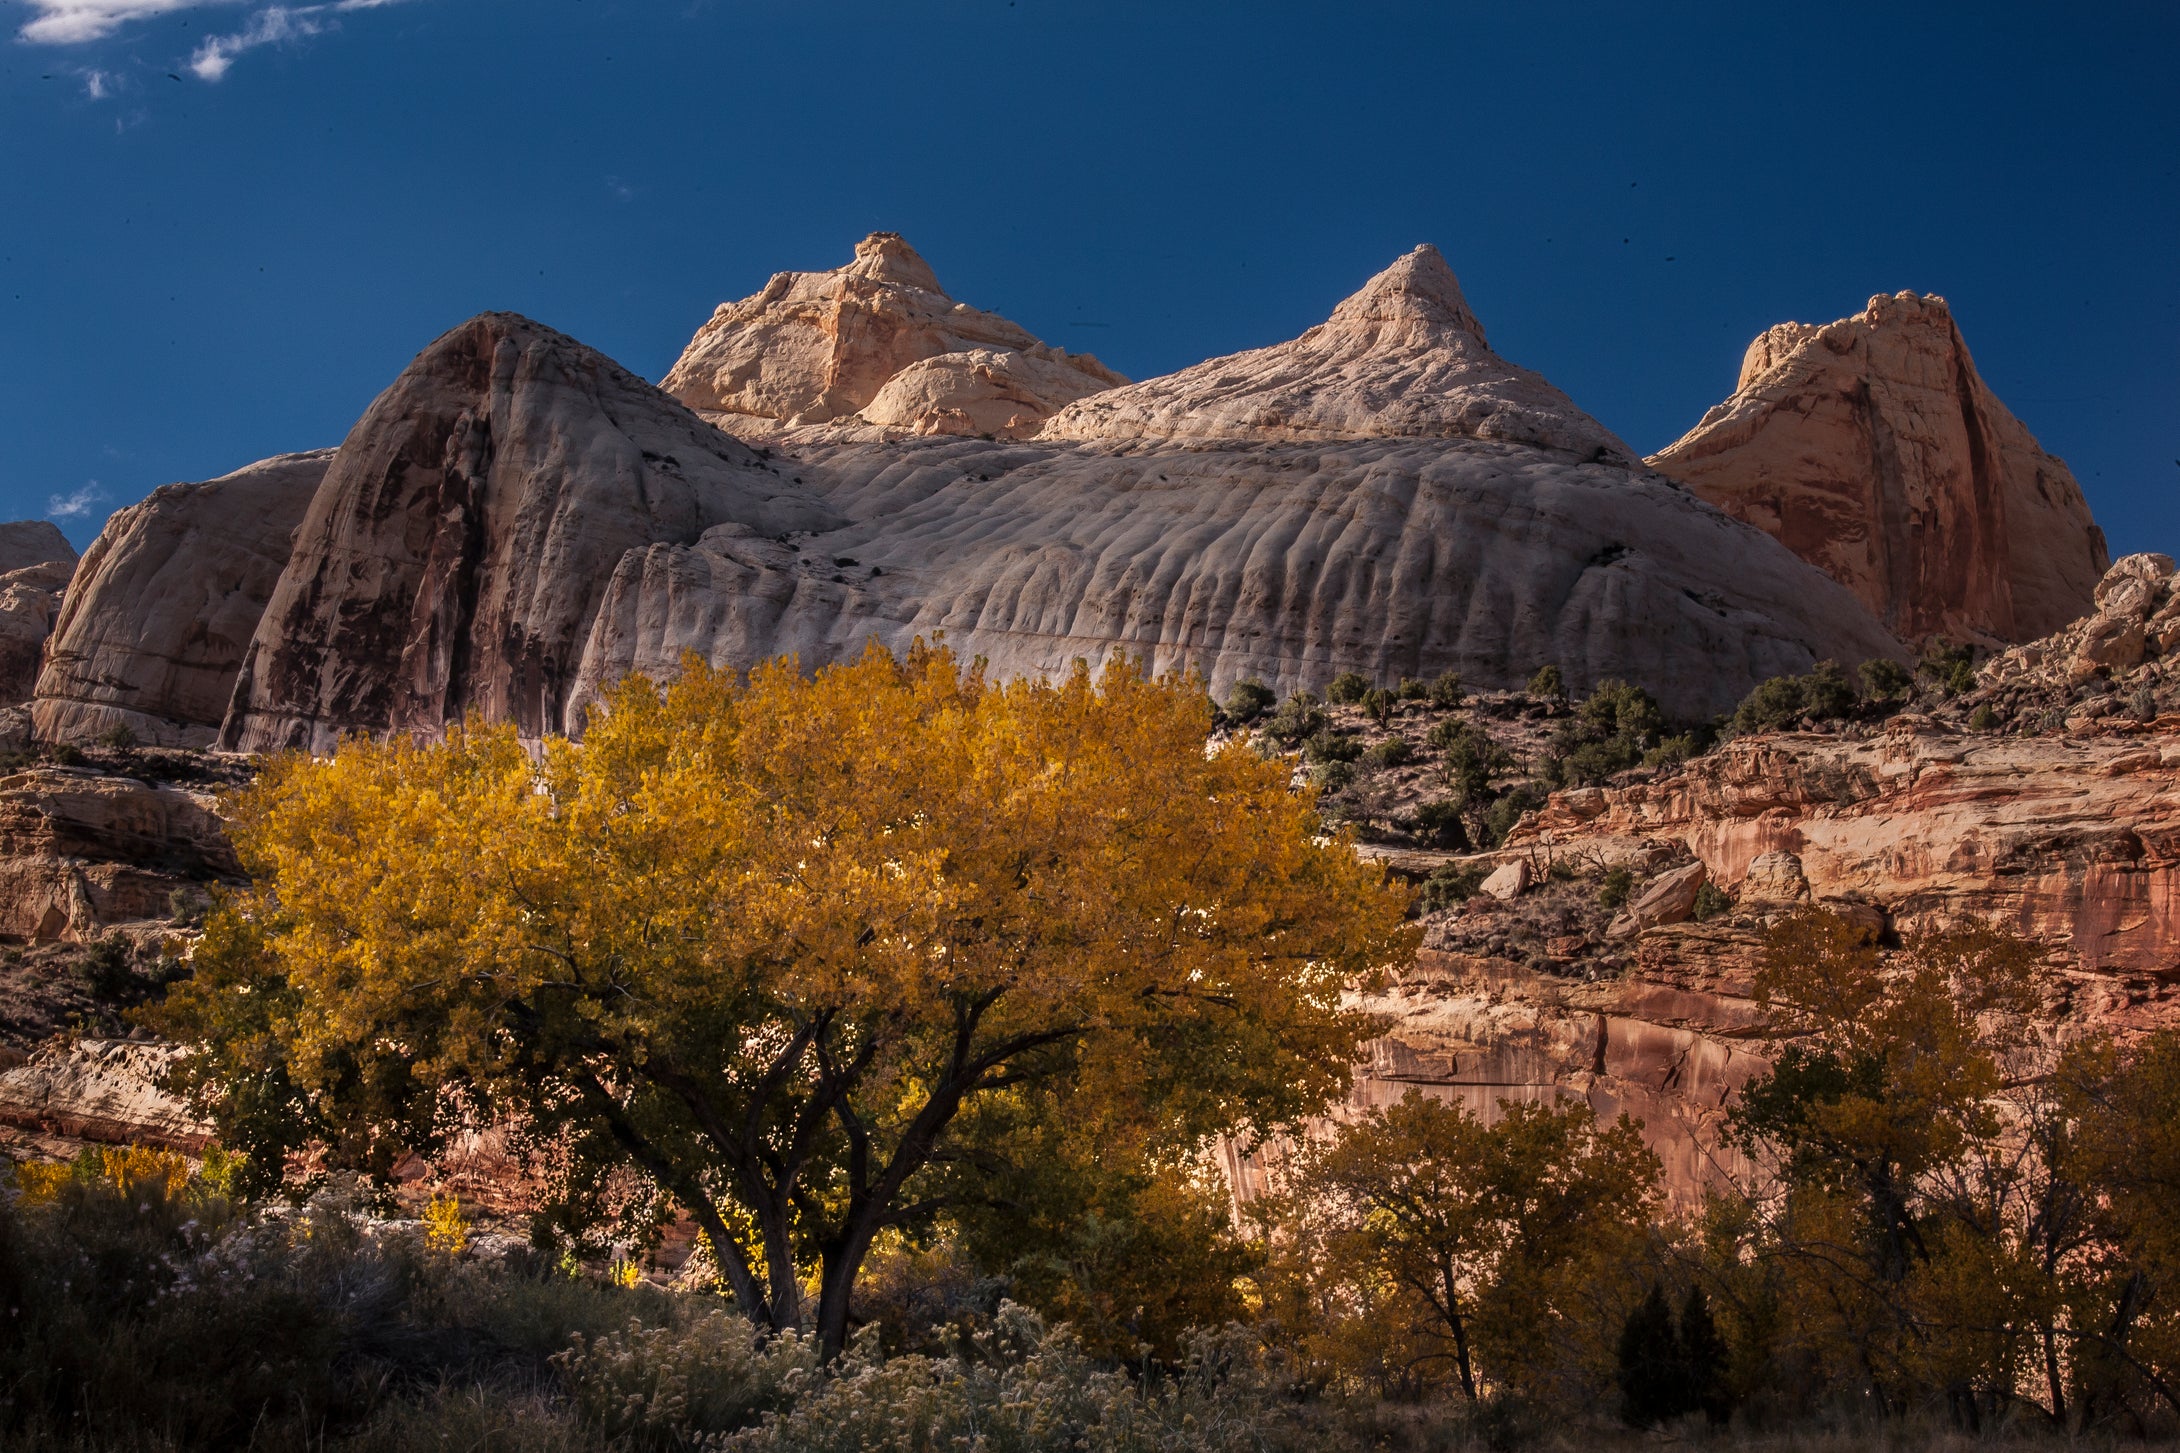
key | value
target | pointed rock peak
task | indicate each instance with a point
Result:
(1417, 288)
(1968, 530)
(886, 257)
(816, 348)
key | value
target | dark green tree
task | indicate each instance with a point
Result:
(1653, 1372)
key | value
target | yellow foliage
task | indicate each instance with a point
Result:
(1420, 1246)
(127, 1169)
(768, 939)
(445, 1227)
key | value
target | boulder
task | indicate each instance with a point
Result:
(459, 545)
(2137, 618)
(1668, 898)
(1873, 449)
(1774, 880)
(876, 341)
(154, 630)
(1510, 879)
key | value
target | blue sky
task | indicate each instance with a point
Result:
(227, 225)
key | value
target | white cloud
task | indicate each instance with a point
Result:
(70, 22)
(267, 27)
(76, 505)
(97, 85)
(74, 22)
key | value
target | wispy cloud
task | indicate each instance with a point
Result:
(76, 505)
(71, 22)
(76, 22)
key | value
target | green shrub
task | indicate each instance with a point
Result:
(1377, 704)
(1334, 776)
(1248, 699)
(1412, 689)
(1610, 733)
(1508, 810)
(1332, 746)
(1299, 718)
(1674, 750)
(1471, 760)
(1016, 1387)
(1613, 892)
(1983, 719)
(1449, 887)
(117, 738)
(1392, 752)
(1884, 680)
(1347, 688)
(1785, 702)
(1446, 690)
(1711, 901)
(1438, 823)
(1547, 682)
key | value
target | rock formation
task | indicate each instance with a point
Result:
(1873, 449)
(1403, 358)
(30, 603)
(1383, 494)
(2136, 622)
(26, 543)
(104, 1090)
(36, 562)
(154, 632)
(82, 851)
(457, 548)
(877, 342)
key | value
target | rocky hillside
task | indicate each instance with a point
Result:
(1873, 449)
(1605, 946)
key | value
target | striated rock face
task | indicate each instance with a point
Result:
(459, 544)
(1448, 511)
(1874, 450)
(167, 598)
(2072, 840)
(1403, 358)
(877, 342)
(100, 1090)
(81, 851)
(1288, 563)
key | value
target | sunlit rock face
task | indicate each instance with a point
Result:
(1403, 358)
(161, 612)
(454, 554)
(1872, 448)
(877, 342)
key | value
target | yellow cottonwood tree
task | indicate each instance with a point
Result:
(766, 941)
